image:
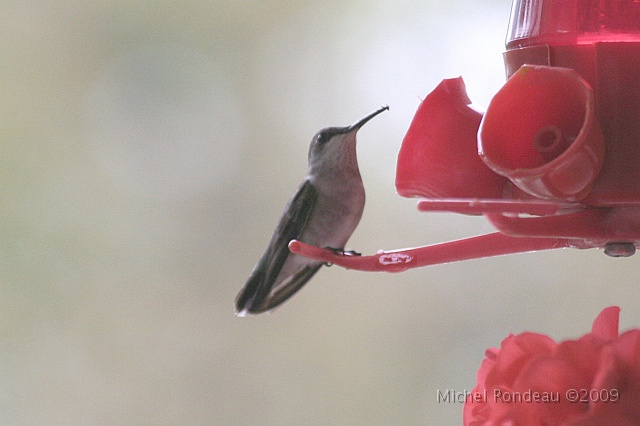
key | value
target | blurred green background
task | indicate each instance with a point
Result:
(148, 149)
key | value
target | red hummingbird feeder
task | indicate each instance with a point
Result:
(554, 162)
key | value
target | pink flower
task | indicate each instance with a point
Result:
(532, 380)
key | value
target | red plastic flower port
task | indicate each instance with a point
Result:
(532, 380)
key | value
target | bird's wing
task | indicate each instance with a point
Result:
(258, 294)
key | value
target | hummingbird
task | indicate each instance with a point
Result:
(324, 211)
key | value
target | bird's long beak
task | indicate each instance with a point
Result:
(361, 122)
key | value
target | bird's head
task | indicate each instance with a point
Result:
(334, 147)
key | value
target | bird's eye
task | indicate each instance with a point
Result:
(322, 137)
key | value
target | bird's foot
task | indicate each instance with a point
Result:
(351, 253)
(341, 252)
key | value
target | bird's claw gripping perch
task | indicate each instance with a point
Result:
(342, 252)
